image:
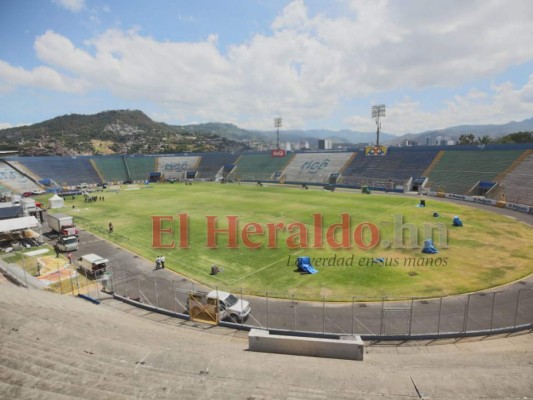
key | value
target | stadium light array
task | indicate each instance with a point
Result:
(378, 111)
(277, 125)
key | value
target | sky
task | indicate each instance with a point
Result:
(317, 64)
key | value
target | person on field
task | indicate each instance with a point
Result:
(157, 262)
(162, 261)
(110, 227)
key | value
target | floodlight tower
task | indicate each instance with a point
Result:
(378, 112)
(277, 125)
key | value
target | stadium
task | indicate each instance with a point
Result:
(361, 221)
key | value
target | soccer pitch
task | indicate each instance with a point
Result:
(256, 233)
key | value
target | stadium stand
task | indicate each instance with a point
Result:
(258, 167)
(110, 168)
(315, 167)
(458, 171)
(211, 164)
(67, 171)
(397, 167)
(139, 167)
(517, 184)
(176, 167)
(14, 180)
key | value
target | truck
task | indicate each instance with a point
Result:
(230, 307)
(92, 265)
(62, 224)
(67, 243)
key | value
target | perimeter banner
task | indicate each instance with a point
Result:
(376, 150)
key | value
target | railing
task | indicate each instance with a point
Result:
(464, 315)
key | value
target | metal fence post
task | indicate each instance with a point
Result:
(323, 315)
(71, 284)
(138, 286)
(517, 306)
(174, 293)
(124, 282)
(97, 289)
(353, 314)
(293, 314)
(465, 318)
(77, 283)
(156, 294)
(266, 299)
(382, 316)
(411, 315)
(440, 313)
(242, 310)
(492, 310)
(58, 277)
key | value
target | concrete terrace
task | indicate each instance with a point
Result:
(62, 347)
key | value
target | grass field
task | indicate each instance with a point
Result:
(489, 250)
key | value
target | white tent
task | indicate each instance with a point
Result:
(56, 202)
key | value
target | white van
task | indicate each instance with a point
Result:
(92, 265)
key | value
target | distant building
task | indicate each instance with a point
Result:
(324, 144)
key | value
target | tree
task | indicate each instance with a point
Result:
(467, 139)
(485, 139)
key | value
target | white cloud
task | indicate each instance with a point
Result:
(502, 104)
(308, 65)
(71, 5)
(41, 77)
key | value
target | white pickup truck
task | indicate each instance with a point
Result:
(230, 307)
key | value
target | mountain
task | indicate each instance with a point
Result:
(108, 132)
(493, 131)
(133, 132)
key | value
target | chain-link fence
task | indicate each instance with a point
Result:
(473, 314)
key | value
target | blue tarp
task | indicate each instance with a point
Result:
(457, 221)
(304, 265)
(429, 248)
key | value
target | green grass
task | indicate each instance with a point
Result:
(489, 250)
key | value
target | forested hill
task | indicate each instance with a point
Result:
(118, 131)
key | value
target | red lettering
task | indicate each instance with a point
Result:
(212, 232)
(158, 231)
(317, 224)
(297, 240)
(344, 225)
(253, 228)
(184, 231)
(358, 235)
(272, 234)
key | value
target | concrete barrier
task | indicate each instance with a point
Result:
(345, 347)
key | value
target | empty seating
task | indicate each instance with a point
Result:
(15, 181)
(66, 171)
(258, 167)
(111, 168)
(397, 166)
(459, 170)
(315, 167)
(211, 163)
(518, 184)
(139, 167)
